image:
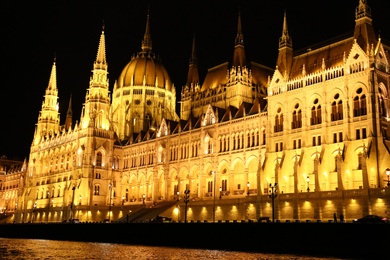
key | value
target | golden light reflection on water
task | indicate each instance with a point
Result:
(52, 249)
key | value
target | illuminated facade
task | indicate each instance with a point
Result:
(317, 125)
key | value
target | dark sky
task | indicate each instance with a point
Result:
(34, 32)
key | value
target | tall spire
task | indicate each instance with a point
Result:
(53, 77)
(97, 100)
(68, 120)
(285, 55)
(285, 40)
(147, 40)
(101, 62)
(193, 73)
(363, 10)
(49, 117)
(239, 58)
(364, 31)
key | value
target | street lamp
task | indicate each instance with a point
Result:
(388, 177)
(143, 199)
(273, 194)
(186, 200)
(123, 200)
(109, 206)
(34, 208)
(72, 202)
(247, 192)
(48, 206)
(308, 180)
(177, 195)
(215, 176)
(220, 192)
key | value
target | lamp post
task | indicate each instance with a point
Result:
(48, 206)
(109, 206)
(186, 200)
(273, 194)
(177, 195)
(72, 202)
(308, 181)
(34, 208)
(215, 176)
(247, 198)
(220, 192)
(388, 177)
(123, 200)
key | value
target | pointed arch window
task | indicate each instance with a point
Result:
(99, 159)
(96, 190)
(224, 185)
(296, 117)
(316, 113)
(278, 121)
(337, 109)
(359, 104)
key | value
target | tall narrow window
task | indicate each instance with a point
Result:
(337, 108)
(316, 113)
(359, 104)
(224, 185)
(296, 117)
(278, 121)
(99, 159)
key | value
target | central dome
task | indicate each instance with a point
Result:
(145, 69)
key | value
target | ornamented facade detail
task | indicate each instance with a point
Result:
(317, 125)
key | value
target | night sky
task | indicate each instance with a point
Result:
(33, 33)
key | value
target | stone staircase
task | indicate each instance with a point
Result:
(145, 214)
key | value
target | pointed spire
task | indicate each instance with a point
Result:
(147, 40)
(364, 31)
(193, 73)
(239, 58)
(239, 37)
(53, 77)
(285, 40)
(363, 10)
(101, 62)
(285, 55)
(68, 120)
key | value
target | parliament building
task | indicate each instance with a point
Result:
(300, 141)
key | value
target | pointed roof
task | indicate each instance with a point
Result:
(53, 77)
(101, 62)
(147, 40)
(326, 55)
(239, 59)
(68, 119)
(364, 32)
(193, 72)
(285, 40)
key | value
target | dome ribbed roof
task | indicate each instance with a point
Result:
(145, 69)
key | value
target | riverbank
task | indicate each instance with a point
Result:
(342, 240)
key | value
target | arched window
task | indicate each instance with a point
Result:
(337, 108)
(96, 190)
(296, 117)
(316, 113)
(278, 121)
(359, 104)
(99, 159)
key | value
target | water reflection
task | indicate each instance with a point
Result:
(52, 249)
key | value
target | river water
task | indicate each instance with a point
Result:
(11, 248)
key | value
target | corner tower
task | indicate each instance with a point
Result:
(97, 100)
(49, 118)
